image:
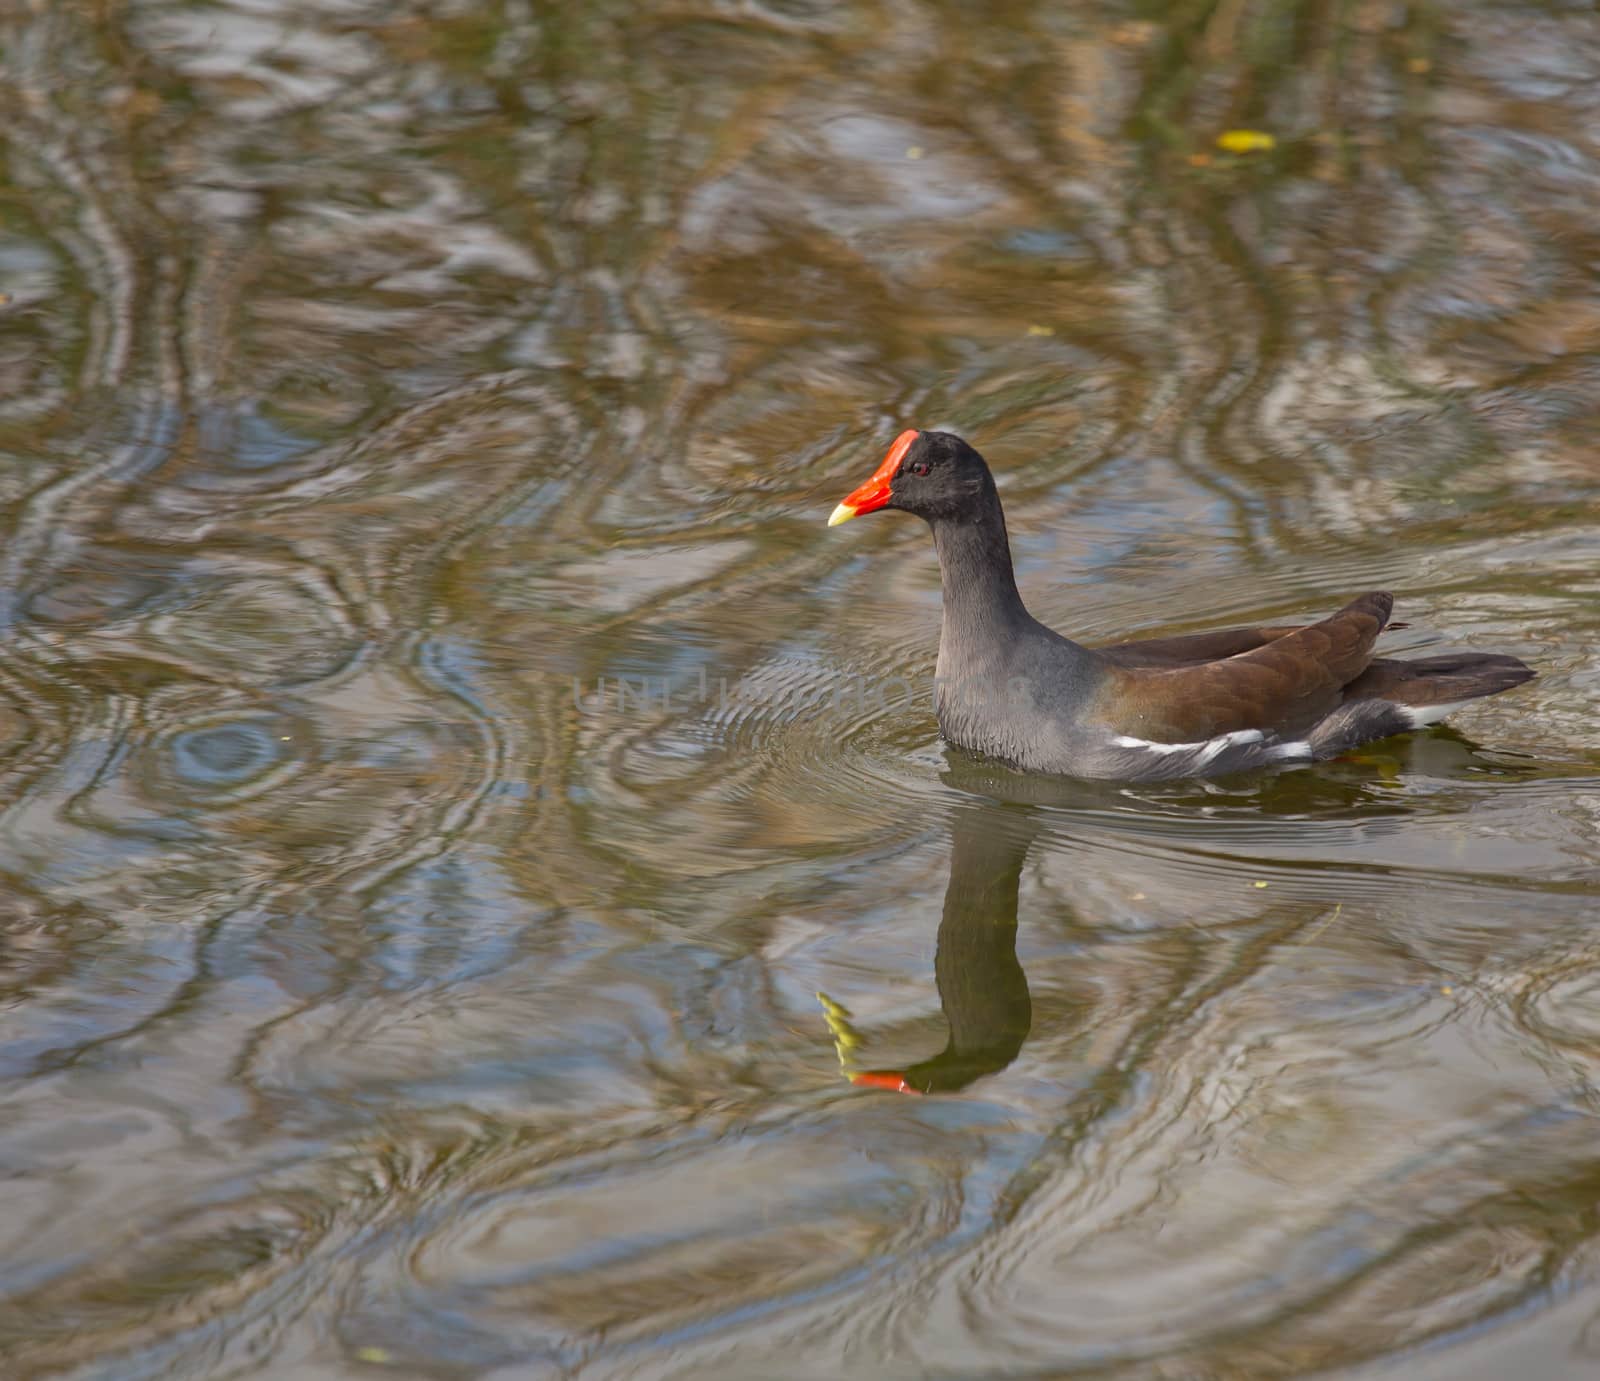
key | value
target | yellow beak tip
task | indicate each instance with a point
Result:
(842, 514)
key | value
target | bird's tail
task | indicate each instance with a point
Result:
(1432, 687)
(1395, 695)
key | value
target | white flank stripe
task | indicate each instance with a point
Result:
(1208, 748)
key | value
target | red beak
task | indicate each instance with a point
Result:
(890, 1079)
(875, 492)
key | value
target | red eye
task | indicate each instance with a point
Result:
(919, 467)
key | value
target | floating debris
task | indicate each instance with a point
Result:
(1245, 141)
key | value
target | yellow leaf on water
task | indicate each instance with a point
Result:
(915, 152)
(1041, 330)
(1245, 141)
(1258, 884)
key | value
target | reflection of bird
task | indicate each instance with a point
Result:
(982, 988)
(1200, 705)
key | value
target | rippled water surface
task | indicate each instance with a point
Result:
(432, 793)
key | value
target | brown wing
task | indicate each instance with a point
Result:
(1281, 686)
(1191, 648)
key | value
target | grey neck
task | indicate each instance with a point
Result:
(981, 603)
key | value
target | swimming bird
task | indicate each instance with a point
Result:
(1198, 705)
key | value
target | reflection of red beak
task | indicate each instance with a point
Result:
(890, 1079)
(875, 492)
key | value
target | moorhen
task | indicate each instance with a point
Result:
(982, 988)
(1199, 705)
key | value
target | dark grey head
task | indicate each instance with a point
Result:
(935, 475)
